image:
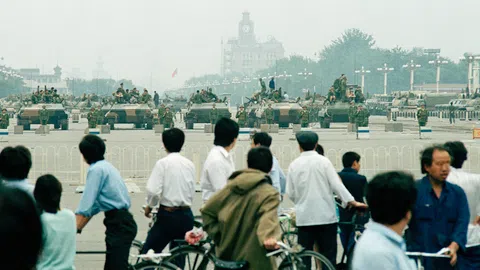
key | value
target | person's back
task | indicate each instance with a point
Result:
(59, 240)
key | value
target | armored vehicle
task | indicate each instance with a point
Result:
(30, 115)
(202, 111)
(125, 114)
(285, 113)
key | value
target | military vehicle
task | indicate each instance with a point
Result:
(285, 113)
(460, 105)
(202, 111)
(125, 114)
(30, 115)
(338, 111)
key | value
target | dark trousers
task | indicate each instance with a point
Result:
(168, 227)
(325, 236)
(121, 230)
(470, 259)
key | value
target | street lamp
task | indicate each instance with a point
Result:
(362, 72)
(437, 63)
(385, 69)
(225, 83)
(471, 60)
(305, 73)
(412, 67)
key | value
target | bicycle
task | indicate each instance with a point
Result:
(420, 255)
(358, 228)
(154, 261)
(297, 258)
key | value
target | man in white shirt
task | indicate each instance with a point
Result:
(172, 186)
(311, 182)
(276, 174)
(219, 163)
(470, 183)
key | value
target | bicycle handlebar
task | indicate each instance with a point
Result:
(283, 248)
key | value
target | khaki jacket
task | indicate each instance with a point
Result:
(241, 216)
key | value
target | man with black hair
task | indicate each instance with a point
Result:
(311, 182)
(15, 164)
(105, 191)
(355, 184)
(391, 197)
(171, 186)
(440, 216)
(219, 163)
(276, 174)
(244, 214)
(320, 150)
(20, 230)
(59, 227)
(470, 183)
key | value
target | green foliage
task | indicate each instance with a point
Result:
(11, 86)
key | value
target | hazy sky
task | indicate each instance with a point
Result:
(144, 37)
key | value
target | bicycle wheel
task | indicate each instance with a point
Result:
(306, 260)
(191, 258)
(146, 265)
(135, 249)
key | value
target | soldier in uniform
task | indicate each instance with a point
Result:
(269, 114)
(451, 113)
(304, 116)
(352, 111)
(4, 119)
(161, 113)
(43, 115)
(148, 119)
(361, 117)
(263, 93)
(146, 97)
(168, 118)
(213, 115)
(92, 118)
(241, 117)
(99, 115)
(422, 116)
(359, 97)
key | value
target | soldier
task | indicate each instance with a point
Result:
(168, 118)
(99, 115)
(269, 114)
(128, 96)
(4, 119)
(304, 116)
(263, 93)
(148, 119)
(422, 116)
(146, 97)
(197, 99)
(352, 111)
(359, 97)
(361, 117)
(271, 84)
(92, 118)
(161, 113)
(331, 95)
(213, 115)
(451, 113)
(241, 117)
(43, 116)
(156, 99)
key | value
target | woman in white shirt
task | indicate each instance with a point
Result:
(59, 226)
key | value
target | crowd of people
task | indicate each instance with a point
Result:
(241, 205)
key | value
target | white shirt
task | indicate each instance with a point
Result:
(172, 182)
(285, 96)
(311, 182)
(470, 183)
(216, 170)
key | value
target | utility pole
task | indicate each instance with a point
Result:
(385, 70)
(362, 72)
(437, 63)
(471, 60)
(412, 67)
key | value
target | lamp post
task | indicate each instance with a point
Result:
(305, 74)
(385, 69)
(437, 63)
(412, 67)
(246, 80)
(362, 72)
(471, 60)
(225, 83)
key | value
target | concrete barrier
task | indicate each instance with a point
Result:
(158, 129)
(104, 129)
(4, 132)
(352, 127)
(363, 133)
(394, 127)
(43, 130)
(425, 132)
(18, 129)
(209, 128)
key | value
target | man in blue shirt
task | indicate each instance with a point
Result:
(105, 191)
(276, 174)
(440, 216)
(391, 198)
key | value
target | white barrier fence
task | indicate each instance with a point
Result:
(136, 162)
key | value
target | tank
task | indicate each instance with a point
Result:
(30, 115)
(338, 112)
(285, 113)
(202, 111)
(125, 114)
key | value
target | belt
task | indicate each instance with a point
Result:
(174, 208)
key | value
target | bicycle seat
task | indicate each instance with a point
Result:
(230, 265)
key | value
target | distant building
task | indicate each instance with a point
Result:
(99, 72)
(33, 78)
(245, 54)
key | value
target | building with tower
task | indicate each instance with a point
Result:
(33, 78)
(245, 54)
